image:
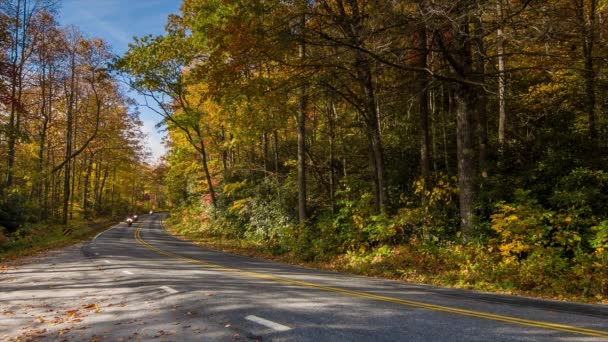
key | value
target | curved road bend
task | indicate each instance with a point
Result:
(171, 290)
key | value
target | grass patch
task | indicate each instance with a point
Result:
(34, 239)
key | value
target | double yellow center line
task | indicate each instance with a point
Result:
(471, 313)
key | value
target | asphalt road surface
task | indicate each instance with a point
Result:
(141, 284)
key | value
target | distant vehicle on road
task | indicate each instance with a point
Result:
(129, 221)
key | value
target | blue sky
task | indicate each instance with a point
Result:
(117, 22)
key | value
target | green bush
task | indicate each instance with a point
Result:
(15, 210)
(583, 193)
(430, 214)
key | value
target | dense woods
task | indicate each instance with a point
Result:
(464, 140)
(70, 144)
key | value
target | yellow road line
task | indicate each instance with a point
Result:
(471, 313)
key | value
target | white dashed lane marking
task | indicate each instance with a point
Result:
(168, 289)
(267, 323)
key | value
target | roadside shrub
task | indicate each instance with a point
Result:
(430, 214)
(582, 193)
(521, 227)
(3, 238)
(15, 210)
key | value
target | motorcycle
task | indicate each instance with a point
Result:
(129, 221)
(134, 218)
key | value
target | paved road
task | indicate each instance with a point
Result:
(140, 283)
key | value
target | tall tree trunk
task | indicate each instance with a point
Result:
(85, 187)
(464, 101)
(301, 127)
(466, 156)
(482, 99)
(16, 74)
(276, 151)
(423, 104)
(97, 185)
(203, 155)
(68, 139)
(446, 97)
(588, 30)
(373, 132)
(332, 116)
(48, 186)
(265, 152)
(224, 154)
(502, 112)
(433, 121)
(99, 199)
(74, 164)
(113, 192)
(42, 142)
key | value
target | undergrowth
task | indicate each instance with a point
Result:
(32, 239)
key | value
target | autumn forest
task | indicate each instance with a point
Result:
(460, 143)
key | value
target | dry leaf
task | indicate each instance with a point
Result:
(70, 314)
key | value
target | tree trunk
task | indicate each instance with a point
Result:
(85, 187)
(332, 116)
(99, 200)
(224, 154)
(97, 186)
(460, 58)
(276, 151)
(74, 163)
(373, 132)
(203, 155)
(68, 140)
(482, 99)
(16, 74)
(42, 142)
(113, 191)
(265, 152)
(301, 127)
(444, 125)
(433, 122)
(466, 156)
(587, 29)
(502, 112)
(423, 104)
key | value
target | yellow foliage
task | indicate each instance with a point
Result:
(232, 188)
(240, 207)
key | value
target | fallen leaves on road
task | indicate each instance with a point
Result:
(71, 314)
(164, 333)
(31, 335)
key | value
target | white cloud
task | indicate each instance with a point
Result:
(90, 19)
